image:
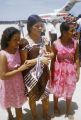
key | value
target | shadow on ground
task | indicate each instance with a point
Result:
(62, 107)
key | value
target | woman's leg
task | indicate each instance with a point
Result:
(45, 106)
(32, 104)
(10, 116)
(69, 109)
(55, 103)
(19, 115)
(56, 107)
(68, 106)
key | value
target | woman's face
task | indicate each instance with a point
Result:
(14, 42)
(69, 33)
(37, 28)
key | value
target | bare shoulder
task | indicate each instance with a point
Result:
(2, 56)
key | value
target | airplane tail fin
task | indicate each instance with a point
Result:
(68, 6)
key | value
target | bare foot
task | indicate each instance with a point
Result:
(56, 111)
(35, 117)
(10, 117)
(47, 117)
(70, 116)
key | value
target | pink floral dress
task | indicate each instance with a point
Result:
(63, 81)
(12, 89)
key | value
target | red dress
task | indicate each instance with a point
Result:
(64, 76)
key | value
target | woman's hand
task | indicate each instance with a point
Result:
(31, 62)
(27, 64)
(44, 60)
(23, 67)
(49, 55)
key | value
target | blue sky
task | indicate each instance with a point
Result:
(21, 9)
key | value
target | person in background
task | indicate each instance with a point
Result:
(79, 34)
(51, 31)
(11, 79)
(65, 68)
(32, 47)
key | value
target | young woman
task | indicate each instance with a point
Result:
(33, 47)
(65, 67)
(11, 79)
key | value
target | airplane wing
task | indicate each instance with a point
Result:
(68, 6)
(59, 13)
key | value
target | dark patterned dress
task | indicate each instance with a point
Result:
(33, 52)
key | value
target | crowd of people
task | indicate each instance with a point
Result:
(33, 67)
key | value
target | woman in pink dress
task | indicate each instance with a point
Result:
(64, 67)
(11, 80)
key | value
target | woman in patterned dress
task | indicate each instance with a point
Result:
(35, 42)
(64, 67)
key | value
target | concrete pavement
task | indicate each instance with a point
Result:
(76, 104)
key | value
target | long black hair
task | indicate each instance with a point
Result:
(7, 35)
(64, 27)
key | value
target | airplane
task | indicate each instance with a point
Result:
(58, 14)
(55, 17)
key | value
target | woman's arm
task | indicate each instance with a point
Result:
(54, 57)
(4, 73)
(23, 53)
(50, 52)
(77, 61)
(24, 57)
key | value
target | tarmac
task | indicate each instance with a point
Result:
(76, 107)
